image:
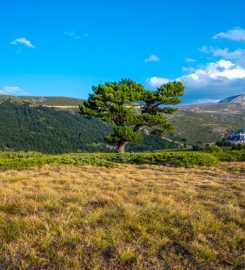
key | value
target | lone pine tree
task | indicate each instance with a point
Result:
(128, 107)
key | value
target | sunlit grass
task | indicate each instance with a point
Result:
(124, 217)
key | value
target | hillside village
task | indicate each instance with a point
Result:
(237, 136)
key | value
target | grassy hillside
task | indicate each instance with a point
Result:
(125, 217)
(208, 123)
(42, 101)
(201, 127)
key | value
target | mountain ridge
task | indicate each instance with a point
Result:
(71, 101)
(229, 105)
(236, 98)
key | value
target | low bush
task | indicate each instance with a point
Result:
(23, 160)
(32, 159)
(164, 158)
(230, 156)
(213, 149)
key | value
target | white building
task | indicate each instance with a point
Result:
(237, 136)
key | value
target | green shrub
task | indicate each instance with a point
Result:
(213, 149)
(231, 156)
(165, 158)
(23, 160)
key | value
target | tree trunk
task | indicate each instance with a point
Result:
(121, 147)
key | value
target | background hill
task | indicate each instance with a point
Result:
(208, 123)
(234, 104)
(43, 101)
(53, 125)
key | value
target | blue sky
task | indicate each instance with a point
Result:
(51, 48)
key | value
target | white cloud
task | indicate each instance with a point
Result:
(206, 100)
(74, 35)
(152, 58)
(156, 81)
(221, 70)
(233, 34)
(238, 55)
(12, 90)
(23, 41)
(189, 60)
(213, 81)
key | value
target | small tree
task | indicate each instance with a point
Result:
(129, 108)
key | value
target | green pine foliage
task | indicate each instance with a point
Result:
(129, 107)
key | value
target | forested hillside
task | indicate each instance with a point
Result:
(43, 129)
(24, 127)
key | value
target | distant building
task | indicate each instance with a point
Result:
(237, 136)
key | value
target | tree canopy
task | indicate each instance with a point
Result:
(129, 107)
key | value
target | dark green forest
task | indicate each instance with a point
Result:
(28, 128)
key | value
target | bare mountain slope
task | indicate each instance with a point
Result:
(234, 104)
(208, 123)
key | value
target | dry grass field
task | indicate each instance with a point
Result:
(124, 217)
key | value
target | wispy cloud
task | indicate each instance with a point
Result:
(12, 90)
(188, 69)
(73, 34)
(206, 100)
(204, 49)
(237, 55)
(236, 34)
(152, 58)
(189, 60)
(22, 41)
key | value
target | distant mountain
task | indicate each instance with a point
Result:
(67, 102)
(208, 123)
(234, 99)
(234, 104)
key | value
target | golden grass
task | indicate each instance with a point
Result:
(125, 217)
